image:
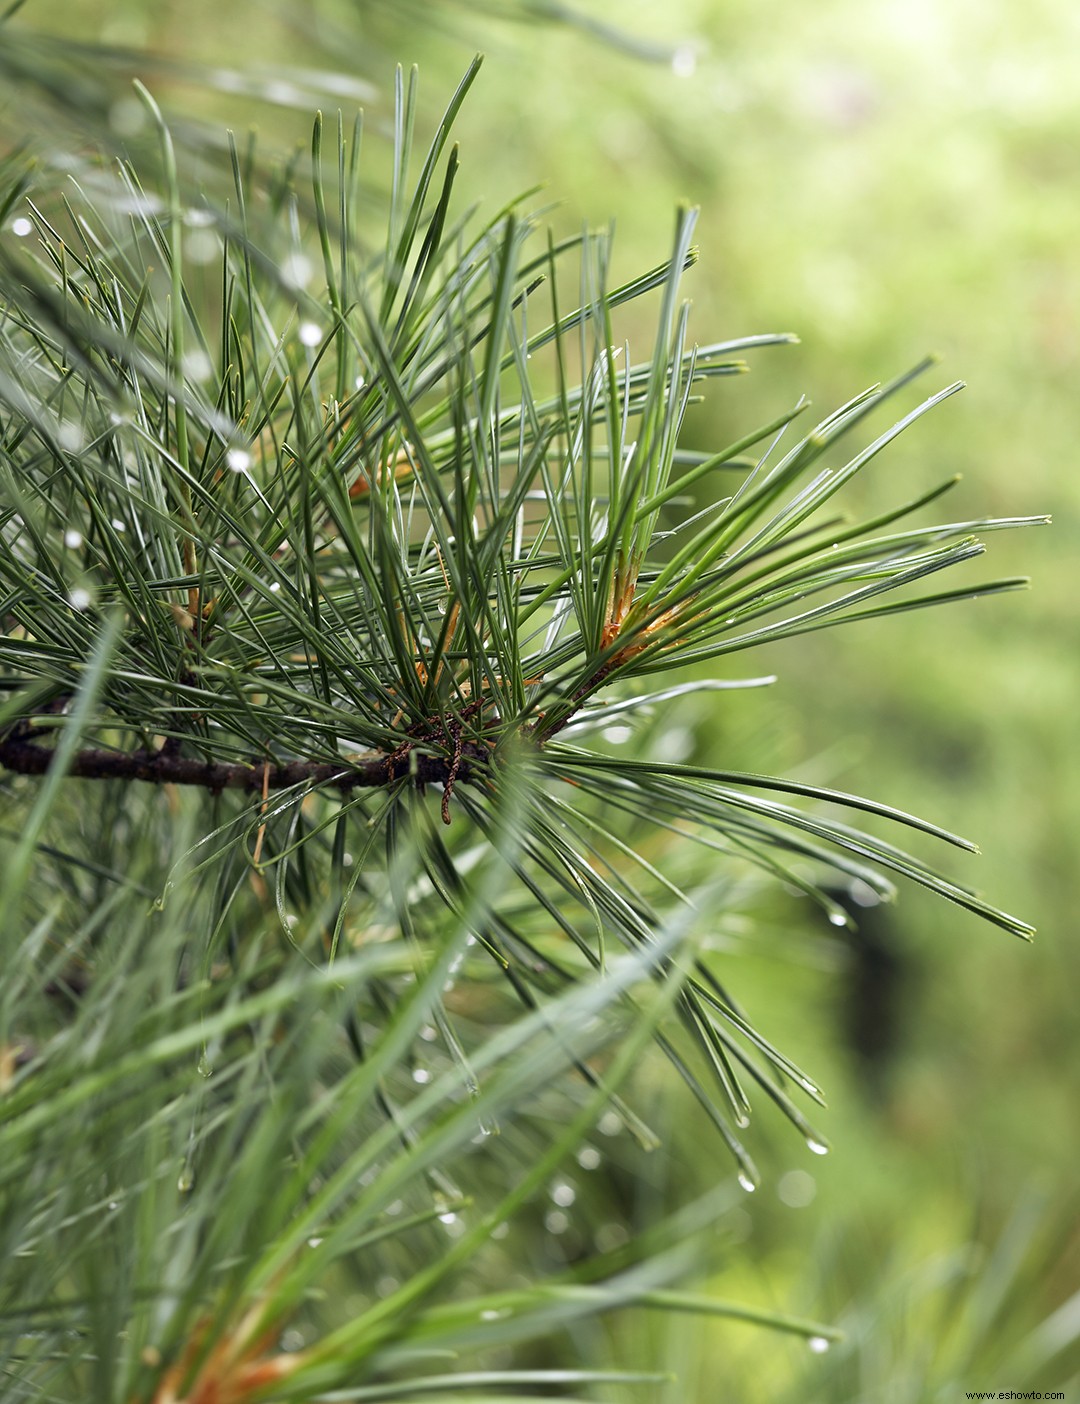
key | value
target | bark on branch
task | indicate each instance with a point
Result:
(165, 768)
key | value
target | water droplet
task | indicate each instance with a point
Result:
(310, 333)
(818, 1147)
(421, 1075)
(204, 1066)
(117, 524)
(556, 1222)
(238, 459)
(500, 1231)
(395, 1208)
(298, 270)
(610, 1124)
(448, 1218)
(113, 1206)
(609, 1237)
(746, 1182)
(72, 539)
(80, 598)
(359, 382)
(837, 918)
(314, 1242)
(429, 1033)
(386, 1286)
(589, 1158)
(201, 246)
(491, 1315)
(197, 365)
(818, 1344)
(21, 227)
(275, 586)
(617, 735)
(563, 1194)
(684, 61)
(186, 1181)
(797, 1189)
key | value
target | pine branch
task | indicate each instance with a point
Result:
(166, 767)
(348, 511)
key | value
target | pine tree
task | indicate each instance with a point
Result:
(329, 554)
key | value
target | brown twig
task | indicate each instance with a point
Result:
(544, 729)
(160, 768)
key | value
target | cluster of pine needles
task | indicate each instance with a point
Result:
(333, 925)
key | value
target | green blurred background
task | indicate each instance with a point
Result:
(884, 178)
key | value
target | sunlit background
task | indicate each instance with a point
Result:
(884, 178)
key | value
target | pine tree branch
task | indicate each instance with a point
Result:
(168, 768)
(544, 729)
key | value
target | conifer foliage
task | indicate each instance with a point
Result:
(331, 543)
